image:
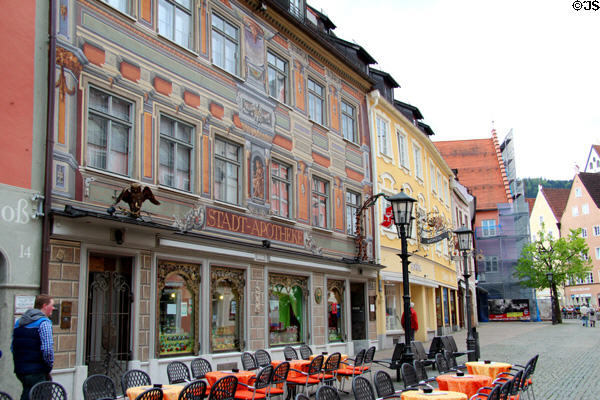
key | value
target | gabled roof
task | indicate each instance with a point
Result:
(595, 148)
(425, 128)
(591, 181)
(386, 77)
(480, 168)
(414, 110)
(557, 200)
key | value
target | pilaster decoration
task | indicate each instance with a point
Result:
(191, 275)
(288, 281)
(258, 300)
(311, 245)
(235, 279)
(68, 60)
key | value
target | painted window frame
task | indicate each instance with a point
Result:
(288, 183)
(238, 164)
(218, 32)
(177, 142)
(313, 98)
(403, 159)
(177, 6)
(585, 209)
(488, 229)
(128, 8)
(418, 159)
(596, 230)
(326, 196)
(351, 209)
(349, 119)
(277, 71)
(383, 136)
(584, 232)
(110, 119)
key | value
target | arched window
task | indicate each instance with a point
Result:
(227, 304)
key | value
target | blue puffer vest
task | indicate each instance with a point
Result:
(26, 348)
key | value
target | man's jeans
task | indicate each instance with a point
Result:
(28, 381)
(585, 320)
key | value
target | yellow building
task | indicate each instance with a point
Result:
(404, 158)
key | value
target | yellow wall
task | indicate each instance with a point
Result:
(430, 262)
(541, 208)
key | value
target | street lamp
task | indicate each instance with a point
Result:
(465, 237)
(550, 277)
(402, 206)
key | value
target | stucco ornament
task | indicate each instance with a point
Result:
(258, 300)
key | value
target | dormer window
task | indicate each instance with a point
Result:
(297, 8)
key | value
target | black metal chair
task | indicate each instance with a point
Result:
(528, 374)
(134, 377)
(488, 393)
(262, 381)
(421, 372)
(368, 361)
(327, 393)
(308, 378)
(263, 358)
(151, 394)
(193, 391)
(249, 362)
(505, 389)
(305, 352)
(200, 367)
(384, 385)
(330, 367)
(5, 396)
(435, 347)
(301, 396)
(441, 363)
(279, 377)
(362, 389)
(178, 372)
(350, 370)
(419, 353)
(290, 353)
(516, 378)
(409, 376)
(96, 387)
(224, 388)
(47, 391)
(454, 347)
(452, 364)
(395, 362)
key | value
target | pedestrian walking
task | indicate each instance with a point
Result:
(32, 344)
(584, 310)
(414, 323)
(592, 314)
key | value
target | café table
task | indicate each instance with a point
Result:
(243, 377)
(300, 365)
(467, 384)
(170, 392)
(492, 369)
(435, 395)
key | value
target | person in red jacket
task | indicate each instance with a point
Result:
(414, 324)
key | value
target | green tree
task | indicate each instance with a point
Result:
(567, 258)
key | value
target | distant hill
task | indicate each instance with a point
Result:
(531, 185)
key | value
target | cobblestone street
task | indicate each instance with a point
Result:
(569, 363)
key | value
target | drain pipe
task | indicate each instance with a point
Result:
(47, 222)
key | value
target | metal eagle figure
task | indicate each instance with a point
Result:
(135, 197)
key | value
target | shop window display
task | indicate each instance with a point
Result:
(287, 309)
(227, 288)
(335, 311)
(177, 304)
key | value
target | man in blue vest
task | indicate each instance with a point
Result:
(32, 345)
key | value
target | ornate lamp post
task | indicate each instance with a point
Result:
(465, 237)
(550, 277)
(402, 206)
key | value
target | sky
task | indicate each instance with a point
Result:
(472, 65)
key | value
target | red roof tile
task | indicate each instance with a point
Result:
(557, 200)
(530, 202)
(478, 168)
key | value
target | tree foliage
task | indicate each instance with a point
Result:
(531, 185)
(566, 258)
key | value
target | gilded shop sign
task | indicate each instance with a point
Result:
(242, 224)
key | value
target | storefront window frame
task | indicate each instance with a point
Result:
(191, 275)
(281, 279)
(236, 278)
(340, 286)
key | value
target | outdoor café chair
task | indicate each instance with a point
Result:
(134, 377)
(47, 391)
(5, 396)
(178, 372)
(410, 377)
(290, 353)
(262, 358)
(420, 354)
(301, 396)
(249, 362)
(193, 391)
(278, 377)
(262, 381)
(441, 363)
(454, 347)
(395, 362)
(330, 367)
(452, 364)
(96, 387)
(305, 352)
(362, 389)
(384, 385)
(200, 366)
(309, 378)
(368, 361)
(348, 370)
(435, 347)
(421, 372)
(327, 393)
(488, 393)
(151, 394)
(516, 383)
(224, 388)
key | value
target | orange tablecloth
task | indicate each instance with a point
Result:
(437, 394)
(491, 370)
(170, 392)
(301, 365)
(243, 377)
(468, 384)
